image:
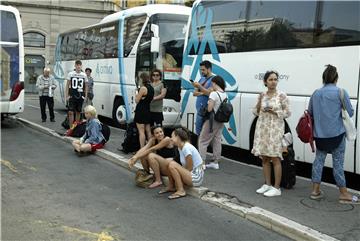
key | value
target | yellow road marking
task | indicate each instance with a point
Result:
(27, 166)
(102, 236)
(9, 165)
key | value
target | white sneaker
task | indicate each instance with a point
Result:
(213, 165)
(264, 188)
(273, 192)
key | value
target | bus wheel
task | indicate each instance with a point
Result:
(119, 112)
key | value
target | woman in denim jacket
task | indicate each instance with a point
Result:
(329, 134)
(93, 138)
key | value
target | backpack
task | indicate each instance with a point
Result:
(304, 129)
(105, 130)
(79, 129)
(65, 123)
(224, 112)
(131, 141)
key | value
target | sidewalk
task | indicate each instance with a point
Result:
(239, 181)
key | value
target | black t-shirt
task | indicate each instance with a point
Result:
(77, 84)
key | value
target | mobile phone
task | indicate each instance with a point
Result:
(192, 81)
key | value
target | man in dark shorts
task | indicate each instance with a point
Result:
(75, 92)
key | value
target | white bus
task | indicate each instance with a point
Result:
(12, 62)
(244, 39)
(119, 49)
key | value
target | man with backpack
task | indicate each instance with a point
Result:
(202, 91)
(76, 92)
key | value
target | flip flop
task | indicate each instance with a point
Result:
(354, 200)
(176, 196)
(317, 196)
(165, 191)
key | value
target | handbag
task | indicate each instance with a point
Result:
(143, 178)
(348, 122)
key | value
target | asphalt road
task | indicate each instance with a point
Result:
(49, 193)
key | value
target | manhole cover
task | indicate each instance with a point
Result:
(326, 205)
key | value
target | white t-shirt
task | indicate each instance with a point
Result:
(77, 82)
(214, 95)
(189, 149)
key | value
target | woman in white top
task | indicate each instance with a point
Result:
(212, 133)
(190, 172)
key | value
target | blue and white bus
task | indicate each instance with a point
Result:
(244, 39)
(12, 62)
(119, 49)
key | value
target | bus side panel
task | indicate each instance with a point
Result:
(124, 86)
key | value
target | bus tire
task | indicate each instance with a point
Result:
(118, 112)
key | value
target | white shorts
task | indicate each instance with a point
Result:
(197, 176)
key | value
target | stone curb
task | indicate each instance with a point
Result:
(254, 214)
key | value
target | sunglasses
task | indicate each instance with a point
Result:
(155, 75)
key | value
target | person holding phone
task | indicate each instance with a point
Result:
(272, 108)
(202, 91)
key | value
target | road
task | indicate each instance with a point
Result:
(49, 193)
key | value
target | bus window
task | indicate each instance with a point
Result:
(273, 25)
(344, 29)
(132, 28)
(227, 22)
(9, 72)
(9, 30)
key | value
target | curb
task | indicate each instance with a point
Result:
(269, 220)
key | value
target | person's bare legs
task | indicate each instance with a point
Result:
(142, 138)
(160, 167)
(181, 176)
(71, 118)
(277, 171)
(145, 164)
(148, 131)
(78, 116)
(154, 165)
(85, 147)
(76, 144)
(266, 169)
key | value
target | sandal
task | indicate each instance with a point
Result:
(165, 191)
(317, 196)
(354, 200)
(176, 196)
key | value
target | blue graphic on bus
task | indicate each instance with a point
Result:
(202, 18)
(58, 70)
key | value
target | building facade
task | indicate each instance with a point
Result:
(44, 20)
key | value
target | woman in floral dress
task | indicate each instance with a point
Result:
(272, 108)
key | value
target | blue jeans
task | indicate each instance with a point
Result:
(198, 124)
(338, 155)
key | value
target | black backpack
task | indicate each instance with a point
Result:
(65, 123)
(79, 130)
(105, 130)
(224, 112)
(131, 141)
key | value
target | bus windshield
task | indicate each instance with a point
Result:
(9, 29)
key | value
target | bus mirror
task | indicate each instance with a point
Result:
(155, 30)
(155, 45)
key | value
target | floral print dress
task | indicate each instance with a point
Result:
(270, 127)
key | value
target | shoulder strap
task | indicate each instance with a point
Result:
(204, 83)
(342, 98)
(220, 97)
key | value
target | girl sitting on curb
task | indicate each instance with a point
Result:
(190, 172)
(93, 138)
(156, 154)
